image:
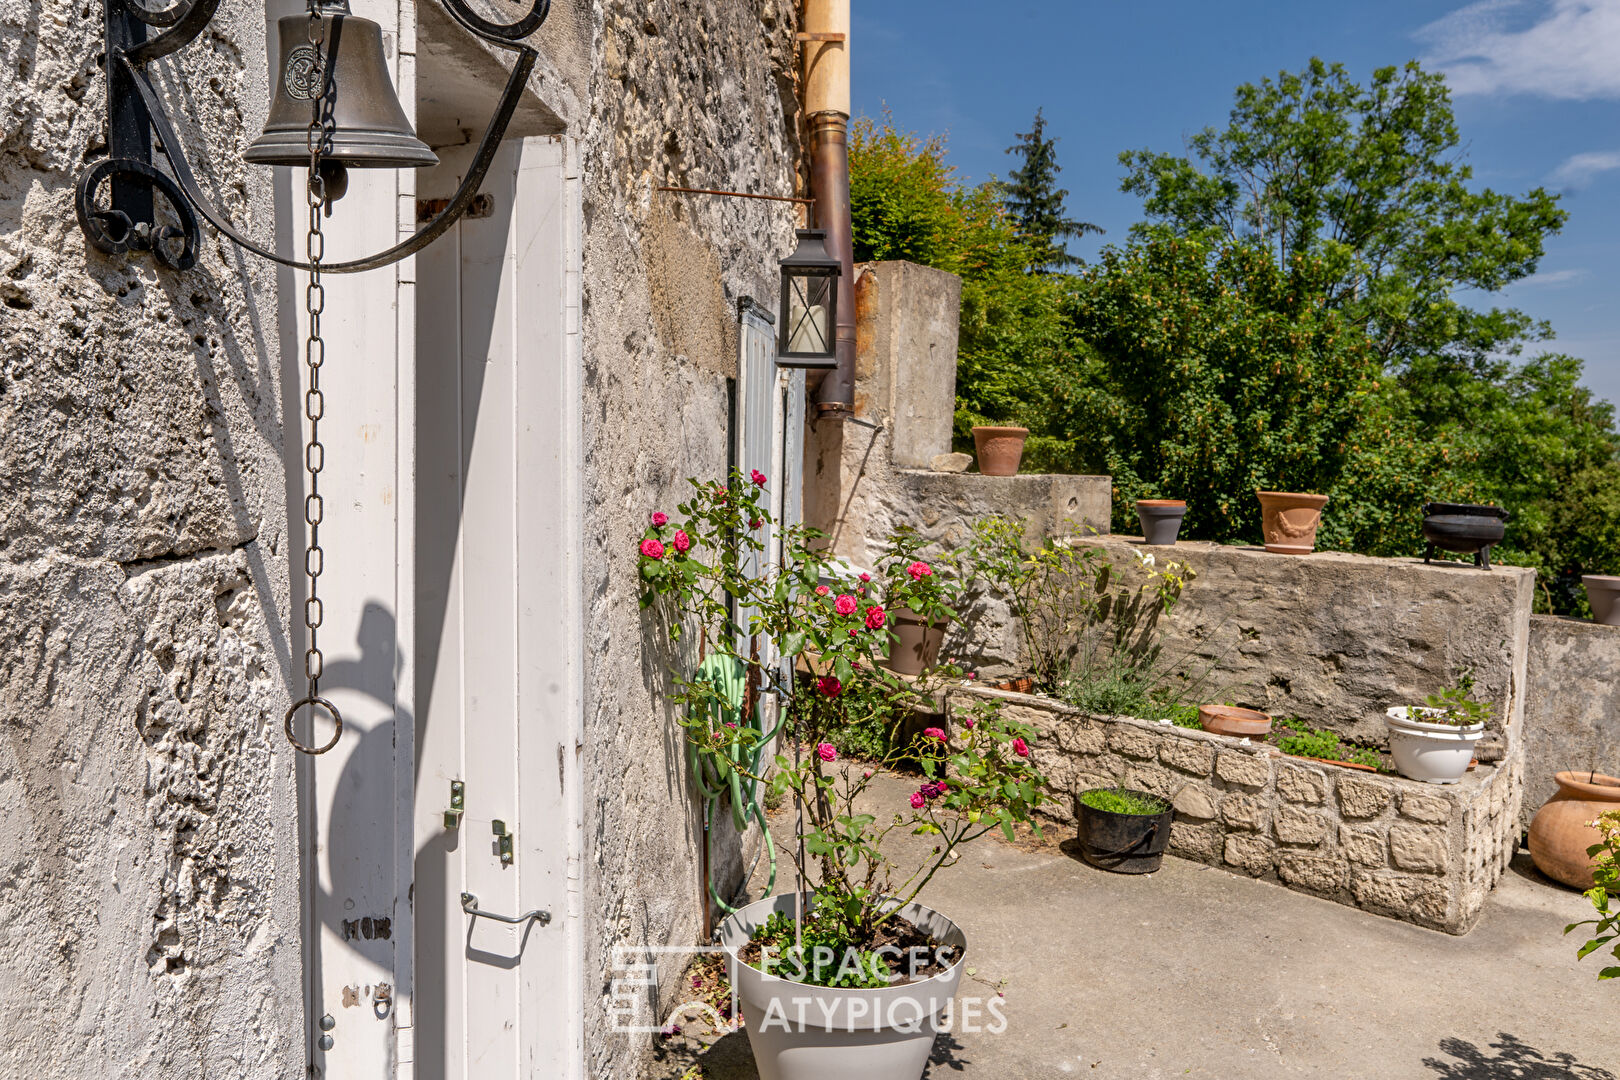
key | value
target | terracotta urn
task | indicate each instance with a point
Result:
(1230, 720)
(1603, 593)
(1288, 520)
(1560, 833)
(1000, 449)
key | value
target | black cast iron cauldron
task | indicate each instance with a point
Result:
(1124, 843)
(1465, 528)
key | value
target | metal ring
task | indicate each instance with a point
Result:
(331, 710)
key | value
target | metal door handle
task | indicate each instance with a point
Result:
(469, 904)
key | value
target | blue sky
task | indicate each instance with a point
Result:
(1536, 88)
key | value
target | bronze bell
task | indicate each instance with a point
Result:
(369, 129)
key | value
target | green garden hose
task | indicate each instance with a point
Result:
(716, 778)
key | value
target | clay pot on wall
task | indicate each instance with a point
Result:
(1161, 519)
(1000, 449)
(1603, 593)
(917, 644)
(1230, 720)
(1559, 833)
(1288, 521)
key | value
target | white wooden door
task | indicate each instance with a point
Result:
(498, 625)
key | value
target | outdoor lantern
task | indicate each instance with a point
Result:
(808, 321)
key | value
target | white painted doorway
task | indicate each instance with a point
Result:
(498, 623)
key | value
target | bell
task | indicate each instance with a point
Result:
(369, 129)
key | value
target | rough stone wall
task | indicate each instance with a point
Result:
(1335, 639)
(1425, 853)
(1572, 715)
(149, 920)
(693, 93)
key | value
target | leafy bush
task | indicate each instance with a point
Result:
(1606, 886)
(1304, 741)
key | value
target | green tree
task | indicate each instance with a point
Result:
(1036, 203)
(1368, 180)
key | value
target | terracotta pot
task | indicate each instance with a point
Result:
(1288, 521)
(1229, 720)
(1000, 449)
(1559, 833)
(1603, 593)
(917, 644)
(1340, 764)
(1161, 519)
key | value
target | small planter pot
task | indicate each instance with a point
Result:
(1161, 519)
(1465, 528)
(1432, 753)
(1288, 521)
(800, 1032)
(916, 647)
(1000, 449)
(1603, 593)
(1334, 761)
(1560, 833)
(1023, 684)
(1124, 843)
(1229, 720)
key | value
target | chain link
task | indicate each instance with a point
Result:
(317, 138)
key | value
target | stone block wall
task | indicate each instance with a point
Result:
(1335, 639)
(1572, 715)
(1424, 853)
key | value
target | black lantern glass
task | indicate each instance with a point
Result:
(808, 320)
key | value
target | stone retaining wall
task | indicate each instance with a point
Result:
(1572, 711)
(1425, 853)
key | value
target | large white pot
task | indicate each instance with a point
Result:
(1433, 753)
(882, 1034)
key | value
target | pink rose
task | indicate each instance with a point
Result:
(874, 618)
(861, 589)
(829, 686)
(660, 518)
(934, 733)
(822, 590)
(845, 605)
(973, 674)
(757, 477)
(968, 723)
(1021, 748)
(682, 541)
(866, 577)
(755, 523)
(942, 787)
(918, 571)
(866, 774)
(854, 632)
(827, 751)
(652, 548)
(917, 800)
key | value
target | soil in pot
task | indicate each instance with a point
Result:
(1603, 593)
(1231, 720)
(1124, 830)
(1559, 833)
(1464, 528)
(916, 647)
(1161, 519)
(1000, 449)
(1288, 521)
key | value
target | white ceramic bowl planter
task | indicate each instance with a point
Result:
(1433, 753)
(800, 1032)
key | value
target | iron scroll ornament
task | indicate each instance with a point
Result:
(111, 231)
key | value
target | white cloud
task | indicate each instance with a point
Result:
(1552, 278)
(1580, 170)
(1552, 48)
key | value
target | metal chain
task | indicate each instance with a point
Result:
(321, 125)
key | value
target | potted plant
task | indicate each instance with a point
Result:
(1288, 521)
(1160, 520)
(1434, 742)
(1124, 830)
(849, 977)
(1234, 721)
(918, 595)
(1562, 832)
(999, 449)
(1603, 594)
(1298, 740)
(1464, 528)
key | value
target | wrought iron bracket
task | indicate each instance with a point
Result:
(469, 904)
(127, 220)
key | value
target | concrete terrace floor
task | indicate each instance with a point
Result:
(1195, 972)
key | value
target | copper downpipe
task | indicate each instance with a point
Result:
(829, 183)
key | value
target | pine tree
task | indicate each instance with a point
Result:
(1035, 202)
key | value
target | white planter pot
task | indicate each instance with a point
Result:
(800, 1032)
(1432, 753)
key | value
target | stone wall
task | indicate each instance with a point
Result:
(694, 93)
(1335, 639)
(1424, 853)
(149, 918)
(1572, 717)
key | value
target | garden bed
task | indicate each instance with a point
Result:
(1425, 853)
